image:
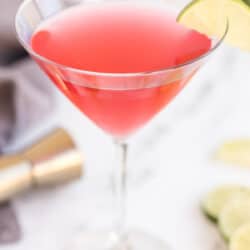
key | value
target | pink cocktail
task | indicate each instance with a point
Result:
(119, 38)
(120, 62)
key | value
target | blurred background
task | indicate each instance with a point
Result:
(171, 161)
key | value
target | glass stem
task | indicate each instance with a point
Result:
(120, 187)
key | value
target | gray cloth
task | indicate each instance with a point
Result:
(25, 98)
(24, 90)
(9, 45)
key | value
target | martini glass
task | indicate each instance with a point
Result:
(105, 98)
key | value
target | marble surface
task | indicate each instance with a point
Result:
(171, 165)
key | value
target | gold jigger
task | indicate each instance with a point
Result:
(52, 160)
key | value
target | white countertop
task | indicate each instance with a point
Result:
(171, 166)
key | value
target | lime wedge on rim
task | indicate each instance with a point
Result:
(241, 238)
(210, 17)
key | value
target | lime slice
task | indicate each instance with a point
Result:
(210, 17)
(235, 152)
(241, 238)
(234, 215)
(215, 201)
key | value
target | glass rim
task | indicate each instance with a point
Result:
(113, 74)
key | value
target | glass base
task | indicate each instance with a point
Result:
(135, 240)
